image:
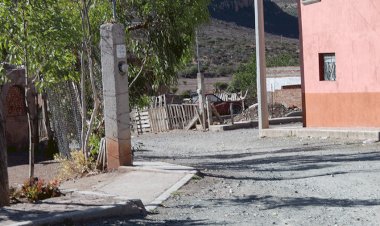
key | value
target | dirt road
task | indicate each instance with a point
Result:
(270, 181)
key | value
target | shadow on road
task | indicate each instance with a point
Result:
(272, 202)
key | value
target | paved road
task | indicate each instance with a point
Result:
(270, 181)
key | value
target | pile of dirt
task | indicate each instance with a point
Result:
(274, 110)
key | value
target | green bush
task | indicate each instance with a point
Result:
(225, 70)
(174, 90)
(220, 86)
(245, 79)
(189, 72)
(186, 94)
(282, 60)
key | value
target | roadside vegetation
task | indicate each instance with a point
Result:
(245, 77)
(58, 42)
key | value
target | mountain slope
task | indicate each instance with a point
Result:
(224, 46)
(278, 21)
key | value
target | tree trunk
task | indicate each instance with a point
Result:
(36, 131)
(46, 119)
(27, 91)
(87, 52)
(4, 183)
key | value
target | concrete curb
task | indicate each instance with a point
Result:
(253, 124)
(162, 167)
(121, 206)
(125, 208)
(164, 196)
(350, 134)
(159, 167)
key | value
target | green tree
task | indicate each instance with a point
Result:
(59, 40)
(245, 79)
(33, 34)
(161, 42)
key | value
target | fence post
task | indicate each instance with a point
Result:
(232, 114)
(209, 112)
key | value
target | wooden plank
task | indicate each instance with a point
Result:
(160, 117)
(216, 113)
(166, 119)
(183, 116)
(175, 114)
(154, 120)
(178, 116)
(163, 121)
(174, 117)
(169, 116)
(151, 120)
(209, 112)
(200, 117)
(193, 122)
(188, 114)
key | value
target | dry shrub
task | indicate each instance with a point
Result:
(75, 166)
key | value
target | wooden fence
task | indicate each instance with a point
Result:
(173, 116)
(232, 96)
(140, 121)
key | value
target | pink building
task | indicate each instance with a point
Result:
(340, 42)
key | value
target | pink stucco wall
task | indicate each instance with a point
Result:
(351, 29)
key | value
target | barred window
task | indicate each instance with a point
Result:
(327, 67)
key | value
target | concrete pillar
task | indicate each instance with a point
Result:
(115, 94)
(261, 67)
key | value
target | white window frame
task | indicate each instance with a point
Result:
(308, 2)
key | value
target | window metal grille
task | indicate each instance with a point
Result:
(329, 67)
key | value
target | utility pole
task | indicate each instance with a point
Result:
(201, 89)
(114, 9)
(260, 66)
(116, 95)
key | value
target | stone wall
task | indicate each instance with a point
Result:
(288, 96)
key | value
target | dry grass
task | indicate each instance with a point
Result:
(75, 166)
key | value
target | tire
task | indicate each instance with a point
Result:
(237, 109)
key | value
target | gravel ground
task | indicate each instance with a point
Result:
(270, 181)
(18, 168)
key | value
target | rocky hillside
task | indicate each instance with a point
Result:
(228, 40)
(280, 15)
(223, 46)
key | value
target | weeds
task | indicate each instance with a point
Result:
(196, 177)
(34, 190)
(75, 166)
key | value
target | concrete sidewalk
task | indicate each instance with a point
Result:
(363, 134)
(130, 191)
(254, 124)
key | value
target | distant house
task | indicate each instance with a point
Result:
(341, 62)
(284, 86)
